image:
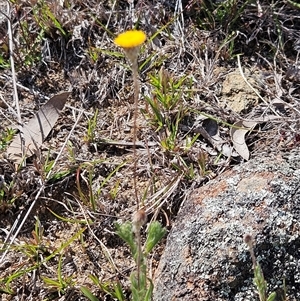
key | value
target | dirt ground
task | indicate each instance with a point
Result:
(239, 61)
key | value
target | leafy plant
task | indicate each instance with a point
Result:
(141, 285)
(6, 137)
(166, 96)
(166, 107)
(46, 19)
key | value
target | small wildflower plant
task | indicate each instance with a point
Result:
(259, 279)
(141, 285)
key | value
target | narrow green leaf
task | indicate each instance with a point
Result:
(148, 296)
(88, 294)
(51, 282)
(94, 279)
(272, 297)
(119, 292)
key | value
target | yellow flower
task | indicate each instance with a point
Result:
(130, 39)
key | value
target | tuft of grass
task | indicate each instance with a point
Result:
(212, 15)
(93, 195)
(38, 254)
(164, 108)
(43, 21)
(8, 194)
(4, 61)
(166, 97)
(90, 136)
(114, 290)
(28, 50)
(61, 283)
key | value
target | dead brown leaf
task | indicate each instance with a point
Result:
(38, 128)
(237, 133)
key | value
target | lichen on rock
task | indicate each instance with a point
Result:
(206, 258)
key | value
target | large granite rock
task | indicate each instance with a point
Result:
(206, 258)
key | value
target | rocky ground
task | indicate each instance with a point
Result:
(206, 257)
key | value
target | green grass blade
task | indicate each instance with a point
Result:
(88, 294)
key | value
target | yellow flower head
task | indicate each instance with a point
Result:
(130, 39)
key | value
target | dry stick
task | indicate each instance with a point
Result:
(16, 99)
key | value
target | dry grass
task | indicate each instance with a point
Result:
(68, 210)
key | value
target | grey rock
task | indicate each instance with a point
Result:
(205, 256)
(3, 11)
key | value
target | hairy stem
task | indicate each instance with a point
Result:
(136, 96)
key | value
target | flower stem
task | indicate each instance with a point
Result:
(136, 96)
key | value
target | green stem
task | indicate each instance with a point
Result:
(294, 4)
